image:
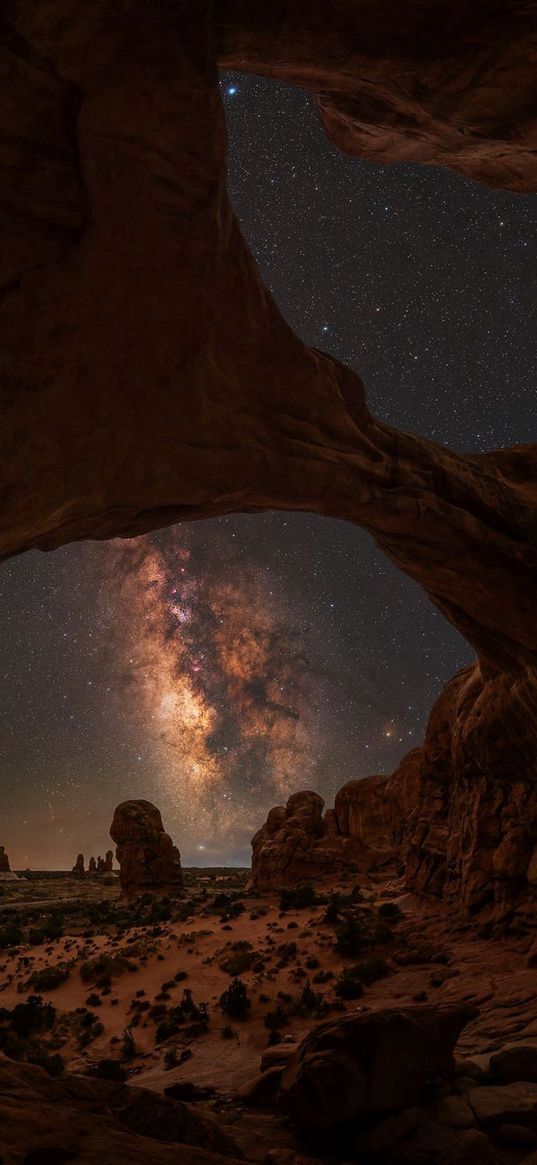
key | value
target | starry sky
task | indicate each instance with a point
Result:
(216, 668)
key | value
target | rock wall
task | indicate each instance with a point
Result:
(119, 417)
(148, 859)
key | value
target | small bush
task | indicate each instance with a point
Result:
(298, 898)
(10, 936)
(371, 970)
(50, 977)
(352, 936)
(128, 1044)
(389, 910)
(239, 959)
(110, 1070)
(234, 1001)
(349, 986)
(32, 1016)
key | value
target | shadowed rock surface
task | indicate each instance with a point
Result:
(5, 867)
(121, 414)
(148, 859)
(354, 1070)
(48, 1122)
(78, 867)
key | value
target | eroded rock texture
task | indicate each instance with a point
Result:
(148, 859)
(45, 1120)
(148, 376)
(350, 1071)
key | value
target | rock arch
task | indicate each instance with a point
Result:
(148, 376)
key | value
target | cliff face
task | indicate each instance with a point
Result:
(122, 413)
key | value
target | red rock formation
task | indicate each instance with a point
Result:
(92, 868)
(83, 1120)
(116, 420)
(350, 1071)
(109, 862)
(297, 844)
(147, 857)
(78, 867)
(5, 867)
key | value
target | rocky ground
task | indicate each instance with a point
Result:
(195, 994)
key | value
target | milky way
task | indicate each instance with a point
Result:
(212, 659)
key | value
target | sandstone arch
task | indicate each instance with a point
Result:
(147, 375)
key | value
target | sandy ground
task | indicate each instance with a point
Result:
(488, 973)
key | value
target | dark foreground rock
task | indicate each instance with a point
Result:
(368, 1065)
(74, 1119)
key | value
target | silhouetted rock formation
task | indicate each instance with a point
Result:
(147, 857)
(92, 867)
(114, 103)
(5, 867)
(78, 867)
(349, 1072)
(109, 862)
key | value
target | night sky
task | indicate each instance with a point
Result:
(215, 668)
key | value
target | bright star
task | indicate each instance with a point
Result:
(231, 90)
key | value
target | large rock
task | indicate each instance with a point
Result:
(501, 1104)
(298, 844)
(5, 867)
(118, 418)
(350, 1071)
(148, 859)
(79, 1120)
(78, 867)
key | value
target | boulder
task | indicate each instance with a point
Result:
(77, 1119)
(262, 1090)
(515, 1063)
(502, 1104)
(147, 857)
(472, 1148)
(368, 1065)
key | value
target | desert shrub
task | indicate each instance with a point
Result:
(234, 1001)
(372, 969)
(349, 986)
(180, 976)
(170, 1057)
(10, 936)
(49, 977)
(352, 935)
(32, 1016)
(128, 1044)
(298, 898)
(389, 910)
(165, 1030)
(227, 1032)
(276, 1019)
(238, 959)
(93, 1000)
(53, 1063)
(104, 968)
(310, 1002)
(109, 1070)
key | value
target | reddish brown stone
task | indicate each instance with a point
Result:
(350, 1071)
(78, 867)
(148, 859)
(120, 414)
